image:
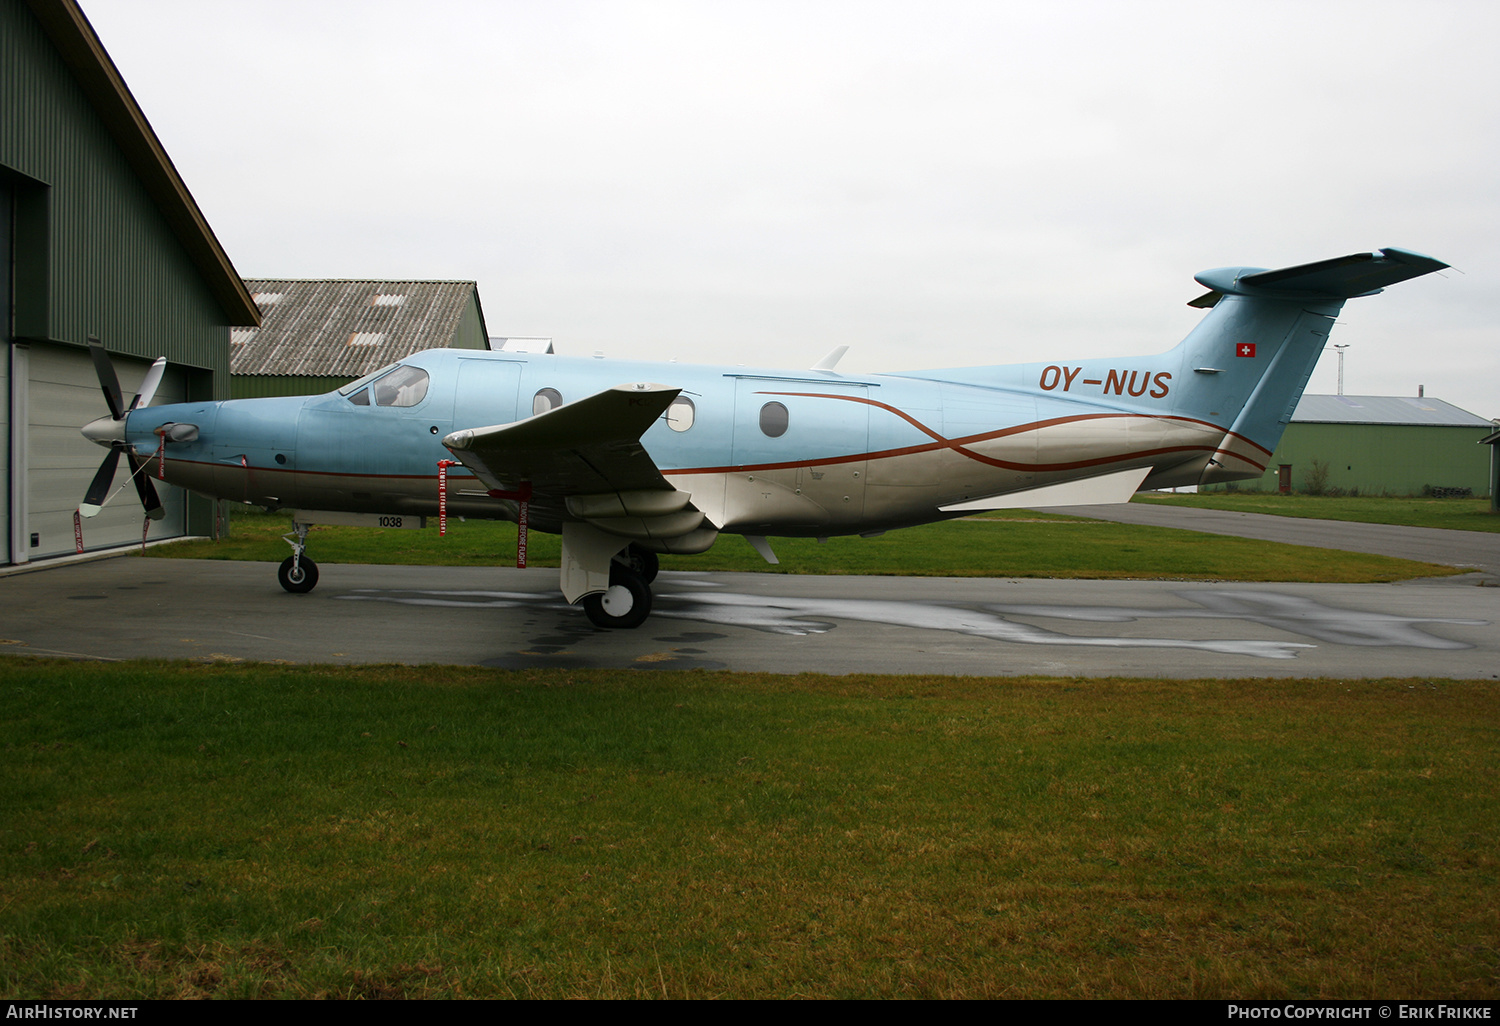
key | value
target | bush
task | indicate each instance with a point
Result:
(1315, 480)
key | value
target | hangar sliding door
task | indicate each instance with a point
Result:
(6, 542)
(62, 396)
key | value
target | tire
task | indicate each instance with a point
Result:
(626, 604)
(301, 581)
(641, 562)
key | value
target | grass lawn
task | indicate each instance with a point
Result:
(176, 830)
(1016, 544)
(1455, 514)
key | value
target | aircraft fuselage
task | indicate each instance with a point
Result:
(844, 453)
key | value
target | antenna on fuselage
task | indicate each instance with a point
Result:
(831, 360)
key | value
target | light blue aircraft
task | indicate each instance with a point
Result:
(627, 460)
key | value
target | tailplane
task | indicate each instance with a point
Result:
(1346, 277)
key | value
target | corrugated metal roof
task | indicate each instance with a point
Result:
(1383, 409)
(346, 328)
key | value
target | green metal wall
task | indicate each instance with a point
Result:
(471, 330)
(1381, 459)
(93, 254)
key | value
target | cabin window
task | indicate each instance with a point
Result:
(544, 400)
(361, 398)
(404, 386)
(680, 414)
(773, 420)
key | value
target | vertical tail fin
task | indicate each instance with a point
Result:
(1250, 358)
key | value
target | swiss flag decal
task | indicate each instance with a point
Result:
(1245, 349)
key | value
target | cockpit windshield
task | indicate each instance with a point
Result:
(396, 385)
(361, 382)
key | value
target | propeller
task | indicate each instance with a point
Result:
(110, 431)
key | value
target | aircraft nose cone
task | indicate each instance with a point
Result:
(105, 431)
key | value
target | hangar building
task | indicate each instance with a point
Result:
(1381, 445)
(315, 336)
(98, 236)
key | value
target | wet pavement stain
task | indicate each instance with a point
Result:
(802, 616)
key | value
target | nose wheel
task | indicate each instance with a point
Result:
(298, 576)
(297, 573)
(625, 604)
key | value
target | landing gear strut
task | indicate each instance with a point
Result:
(297, 573)
(642, 562)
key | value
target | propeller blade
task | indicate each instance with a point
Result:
(149, 384)
(93, 499)
(143, 486)
(109, 384)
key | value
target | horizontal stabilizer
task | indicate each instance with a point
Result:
(1358, 274)
(1093, 491)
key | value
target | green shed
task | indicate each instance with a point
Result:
(1378, 445)
(98, 236)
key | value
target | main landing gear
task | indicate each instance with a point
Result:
(297, 573)
(627, 601)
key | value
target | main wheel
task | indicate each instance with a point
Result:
(642, 562)
(626, 604)
(298, 580)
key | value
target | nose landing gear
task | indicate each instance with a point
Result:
(297, 573)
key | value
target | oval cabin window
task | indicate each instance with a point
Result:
(544, 400)
(773, 420)
(680, 413)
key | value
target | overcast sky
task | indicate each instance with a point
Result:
(933, 184)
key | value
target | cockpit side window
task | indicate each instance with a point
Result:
(361, 398)
(404, 386)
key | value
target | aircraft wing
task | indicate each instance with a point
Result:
(589, 446)
(584, 461)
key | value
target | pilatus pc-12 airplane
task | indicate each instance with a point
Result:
(627, 460)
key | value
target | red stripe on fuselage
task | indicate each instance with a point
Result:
(957, 445)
